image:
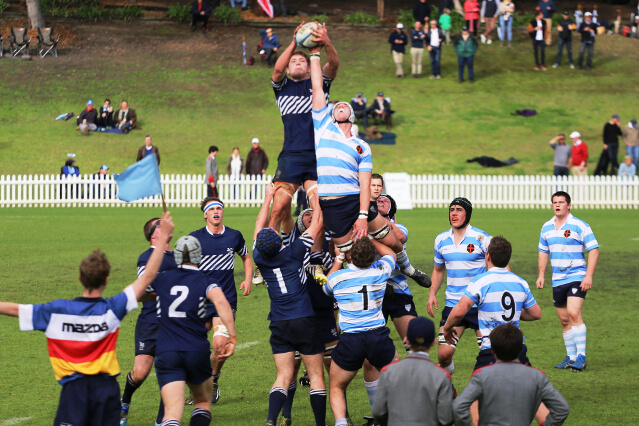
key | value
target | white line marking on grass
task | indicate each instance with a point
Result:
(246, 345)
(14, 421)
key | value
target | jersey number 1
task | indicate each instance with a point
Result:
(364, 292)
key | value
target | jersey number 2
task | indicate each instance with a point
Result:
(182, 293)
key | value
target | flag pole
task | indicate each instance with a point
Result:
(163, 203)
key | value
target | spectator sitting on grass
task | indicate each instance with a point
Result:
(201, 12)
(270, 44)
(125, 118)
(87, 119)
(627, 168)
(105, 117)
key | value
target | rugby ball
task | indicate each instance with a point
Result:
(304, 36)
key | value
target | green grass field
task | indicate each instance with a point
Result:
(191, 91)
(42, 249)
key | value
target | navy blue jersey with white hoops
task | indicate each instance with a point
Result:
(218, 257)
(294, 99)
(286, 280)
(147, 314)
(181, 309)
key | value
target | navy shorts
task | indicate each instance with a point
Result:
(211, 312)
(398, 305)
(561, 293)
(89, 400)
(374, 345)
(341, 213)
(327, 325)
(296, 167)
(469, 320)
(300, 334)
(179, 366)
(145, 333)
(486, 357)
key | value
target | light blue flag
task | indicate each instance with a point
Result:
(139, 180)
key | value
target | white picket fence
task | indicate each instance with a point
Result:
(425, 191)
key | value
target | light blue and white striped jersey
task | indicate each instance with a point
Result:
(500, 297)
(566, 247)
(339, 158)
(463, 262)
(397, 279)
(359, 294)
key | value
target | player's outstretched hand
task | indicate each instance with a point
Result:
(166, 226)
(246, 286)
(360, 229)
(321, 35)
(586, 283)
(432, 301)
(297, 29)
(229, 348)
(540, 282)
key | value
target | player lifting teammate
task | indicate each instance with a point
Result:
(344, 166)
(293, 325)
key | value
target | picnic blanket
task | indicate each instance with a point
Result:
(373, 135)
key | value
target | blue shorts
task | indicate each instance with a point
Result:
(469, 320)
(341, 213)
(327, 325)
(211, 312)
(300, 334)
(398, 305)
(145, 333)
(296, 167)
(178, 366)
(486, 357)
(374, 345)
(89, 400)
(561, 293)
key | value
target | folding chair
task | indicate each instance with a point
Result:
(19, 41)
(47, 40)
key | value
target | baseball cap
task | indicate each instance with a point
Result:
(104, 167)
(90, 102)
(634, 122)
(464, 28)
(566, 12)
(380, 93)
(360, 94)
(421, 331)
(575, 135)
(400, 26)
(587, 14)
(255, 140)
(616, 116)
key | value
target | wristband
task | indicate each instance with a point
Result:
(315, 55)
(341, 257)
(317, 58)
(363, 214)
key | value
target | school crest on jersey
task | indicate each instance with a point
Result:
(470, 248)
(567, 233)
(229, 250)
(359, 150)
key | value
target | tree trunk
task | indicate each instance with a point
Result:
(380, 9)
(35, 13)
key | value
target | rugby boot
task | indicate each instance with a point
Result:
(566, 363)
